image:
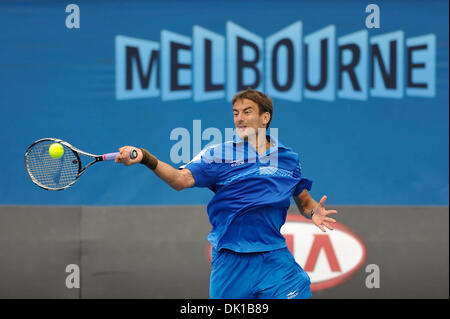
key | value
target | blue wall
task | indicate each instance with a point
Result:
(60, 82)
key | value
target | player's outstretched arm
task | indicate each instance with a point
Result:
(177, 179)
(308, 206)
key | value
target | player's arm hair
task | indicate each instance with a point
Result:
(305, 203)
(175, 178)
(178, 179)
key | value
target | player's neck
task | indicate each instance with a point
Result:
(259, 143)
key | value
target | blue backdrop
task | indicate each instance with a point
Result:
(61, 82)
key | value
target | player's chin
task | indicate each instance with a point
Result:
(244, 133)
(242, 136)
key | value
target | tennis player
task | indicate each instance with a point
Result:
(253, 178)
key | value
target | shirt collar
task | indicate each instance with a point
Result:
(274, 144)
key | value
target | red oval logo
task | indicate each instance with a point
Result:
(329, 258)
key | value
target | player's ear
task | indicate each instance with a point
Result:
(266, 118)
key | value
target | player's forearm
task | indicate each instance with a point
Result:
(177, 179)
(173, 177)
(305, 203)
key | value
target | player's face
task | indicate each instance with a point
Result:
(247, 119)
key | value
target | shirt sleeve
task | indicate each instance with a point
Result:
(203, 170)
(304, 183)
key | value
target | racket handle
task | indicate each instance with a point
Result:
(112, 156)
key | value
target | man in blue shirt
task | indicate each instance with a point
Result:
(253, 178)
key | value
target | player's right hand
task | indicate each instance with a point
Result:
(124, 155)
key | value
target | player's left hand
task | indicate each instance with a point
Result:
(320, 217)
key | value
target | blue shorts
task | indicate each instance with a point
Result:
(264, 275)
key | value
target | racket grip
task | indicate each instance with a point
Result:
(112, 156)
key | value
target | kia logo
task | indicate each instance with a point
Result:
(329, 258)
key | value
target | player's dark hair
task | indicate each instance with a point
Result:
(264, 102)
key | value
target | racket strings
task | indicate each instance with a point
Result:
(51, 172)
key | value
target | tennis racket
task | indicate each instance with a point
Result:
(60, 173)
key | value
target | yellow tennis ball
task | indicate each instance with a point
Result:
(56, 150)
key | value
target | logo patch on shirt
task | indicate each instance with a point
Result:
(268, 170)
(237, 163)
(292, 295)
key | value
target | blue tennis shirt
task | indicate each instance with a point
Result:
(252, 193)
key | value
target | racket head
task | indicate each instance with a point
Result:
(52, 173)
